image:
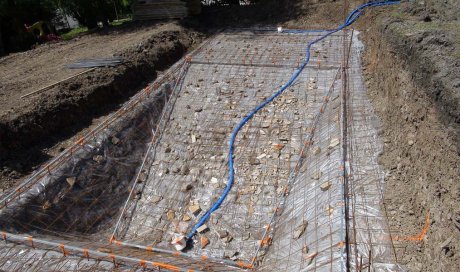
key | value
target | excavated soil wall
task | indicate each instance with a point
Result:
(420, 155)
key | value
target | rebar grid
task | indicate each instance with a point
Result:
(372, 247)
(289, 167)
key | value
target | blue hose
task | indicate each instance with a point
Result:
(352, 17)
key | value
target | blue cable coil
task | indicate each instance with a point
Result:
(351, 18)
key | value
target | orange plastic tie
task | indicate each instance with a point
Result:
(177, 253)
(4, 236)
(149, 248)
(86, 253)
(80, 141)
(112, 256)
(166, 266)
(204, 257)
(421, 235)
(31, 240)
(64, 252)
(143, 263)
(245, 265)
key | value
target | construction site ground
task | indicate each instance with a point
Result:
(410, 68)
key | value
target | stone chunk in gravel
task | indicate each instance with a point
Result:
(71, 181)
(182, 227)
(334, 142)
(115, 140)
(329, 210)
(299, 230)
(170, 215)
(202, 228)
(254, 161)
(316, 150)
(204, 241)
(222, 233)
(186, 187)
(305, 249)
(156, 199)
(231, 254)
(98, 158)
(184, 170)
(325, 186)
(278, 147)
(194, 209)
(317, 175)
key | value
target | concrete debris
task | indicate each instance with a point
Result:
(299, 230)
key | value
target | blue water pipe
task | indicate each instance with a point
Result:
(351, 18)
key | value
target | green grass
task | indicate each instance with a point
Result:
(121, 21)
(73, 33)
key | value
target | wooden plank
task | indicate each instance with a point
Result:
(55, 83)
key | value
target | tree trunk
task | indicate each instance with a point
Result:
(234, 2)
(2, 49)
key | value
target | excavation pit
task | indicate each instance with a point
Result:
(146, 175)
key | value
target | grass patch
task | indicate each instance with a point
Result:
(73, 33)
(120, 22)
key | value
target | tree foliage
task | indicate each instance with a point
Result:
(14, 14)
(89, 12)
